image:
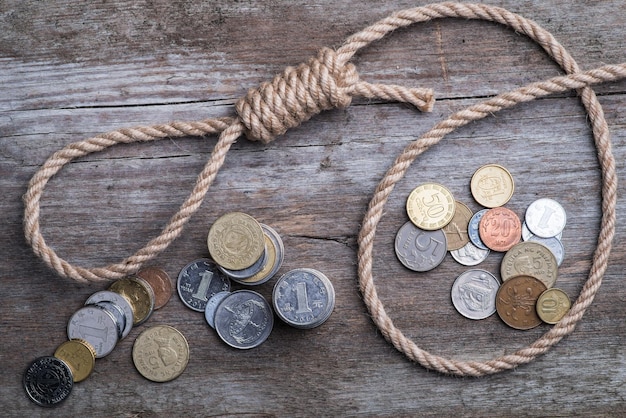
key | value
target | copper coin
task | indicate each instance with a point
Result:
(457, 230)
(160, 282)
(500, 229)
(516, 301)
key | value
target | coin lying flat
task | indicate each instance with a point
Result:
(430, 206)
(48, 381)
(474, 294)
(119, 300)
(516, 301)
(552, 305)
(527, 235)
(244, 319)
(235, 241)
(500, 229)
(472, 229)
(457, 229)
(161, 353)
(530, 259)
(95, 325)
(545, 217)
(492, 185)
(160, 282)
(470, 255)
(79, 355)
(198, 281)
(418, 249)
(211, 307)
(275, 256)
(247, 272)
(139, 294)
(553, 244)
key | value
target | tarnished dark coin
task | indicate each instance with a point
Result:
(198, 281)
(516, 301)
(48, 381)
(418, 249)
(160, 282)
(244, 319)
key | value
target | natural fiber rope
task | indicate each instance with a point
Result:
(328, 81)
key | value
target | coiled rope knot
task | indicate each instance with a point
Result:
(299, 93)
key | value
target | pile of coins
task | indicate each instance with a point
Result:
(533, 248)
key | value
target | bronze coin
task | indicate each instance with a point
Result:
(516, 301)
(456, 231)
(530, 259)
(500, 229)
(160, 282)
(552, 305)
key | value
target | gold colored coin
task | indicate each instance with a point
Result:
(530, 259)
(270, 250)
(430, 206)
(456, 231)
(161, 353)
(516, 300)
(492, 185)
(552, 305)
(139, 295)
(236, 241)
(79, 355)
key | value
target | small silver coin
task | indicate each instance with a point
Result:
(553, 244)
(247, 272)
(474, 294)
(198, 281)
(117, 312)
(119, 300)
(95, 325)
(545, 218)
(211, 307)
(244, 319)
(470, 255)
(473, 230)
(303, 298)
(527, 235)
(48, 381)
(420, 250)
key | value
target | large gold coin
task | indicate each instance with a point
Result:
(236, 241)
(516, 300)
(161, 353)
(430, 206)
(492, 185)
(79, 355)
(552, 305)
(139, 295)
(456, 231)
(530, 259)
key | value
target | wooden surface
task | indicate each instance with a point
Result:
(70, 70)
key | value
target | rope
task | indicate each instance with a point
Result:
(329, 81)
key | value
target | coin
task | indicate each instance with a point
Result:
(457, 229)
(247, 272)
(211, 307)
(516, 300)
(552, 305)
(161, 353)
(469, 255)
(244, 319)
(236, 241)
(430, 206)
(48, 381)
(545, 217)
(553, 244)
(474, 294)
(119, 300)
(500, 229)
(117, 313)
(526, 234)
(139, 294)
(472, 229)
(275, 256)
(160, 282)
(303, 298)
(492, 185)
(79, 355)
(96, 326)
(420, 250)
(198, 281)
(530, 259)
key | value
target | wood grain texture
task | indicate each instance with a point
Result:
(70, 70)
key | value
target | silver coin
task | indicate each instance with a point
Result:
(244, 319)
(198, 281)
(545, 218)
(119, 300)
(473, 230)
(96, 326)
(420, 250)
(303, 298)
(527, 235)
(48, 381)
(117, 312)
(474, 294)
(247, 272)
(553, 244)
(211, 307)
(277, 249)
(470, 255)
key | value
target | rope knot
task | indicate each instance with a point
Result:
(296, 95)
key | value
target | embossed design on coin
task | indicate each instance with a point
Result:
(236, 241)
(554, 245)
(516, 301)
(139, 294)
(211, 307)
(161, 353)
(48, 381)
(303, 298)
(420, 250)
(472, 229)
(79, 355)
(430, 206)
(530, 259)
(552, 305)
(275, 256)
(117, 312)
(198, 281)
(96, 326)
(470, 255)
(500, 229)
(474, 294)
(545, 218)
(247, 272)
(119, 300)
(457, 229)
(160, 282)
(244, 319)
(492, 185)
